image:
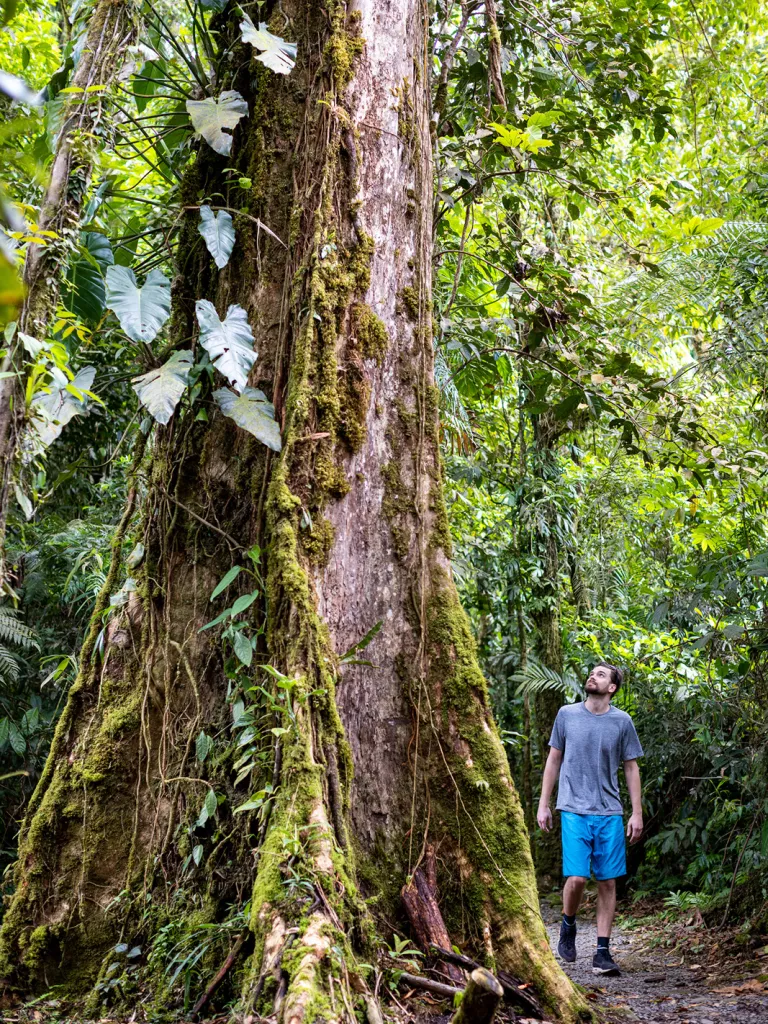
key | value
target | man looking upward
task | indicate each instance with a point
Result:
(589, 740)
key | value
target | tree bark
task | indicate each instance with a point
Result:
(494, 54)
(378, 760)
(110, 30)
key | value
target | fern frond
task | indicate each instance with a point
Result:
(9, 666)
(14, 632)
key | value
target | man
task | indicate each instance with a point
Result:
(589, 740)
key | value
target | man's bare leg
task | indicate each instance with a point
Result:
(572, 893)
(606, 906)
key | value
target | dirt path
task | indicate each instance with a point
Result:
(656, 985)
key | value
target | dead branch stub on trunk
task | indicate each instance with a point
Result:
(420, 900)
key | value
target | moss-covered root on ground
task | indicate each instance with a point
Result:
(300, 866)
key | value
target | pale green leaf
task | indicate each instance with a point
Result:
(228, 342)
(276, 53)
(141, 311)
(253, 412)
(51, 412)
(218, 233)
(211, 116)
(160, 390)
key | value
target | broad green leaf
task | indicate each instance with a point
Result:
(141, 311)
(544, 118)
(17, 741)
(215, 622)
(243, 602)
(160, 389)
(211, 803)
(277, 54)
(253, 412)
(211, 116)
(228, 342)
(50, 413)
(197, 853)
(29, 721)
(203, 746)
(250, 805)
(243, 648)
(84, 292)
(223, 583)
(218, 233)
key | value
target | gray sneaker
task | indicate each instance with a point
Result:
(566, 947)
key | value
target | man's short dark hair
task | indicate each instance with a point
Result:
(617, 676)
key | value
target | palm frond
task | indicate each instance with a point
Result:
(536, 678)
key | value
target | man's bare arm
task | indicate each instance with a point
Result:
(635, 823)
(551, 773)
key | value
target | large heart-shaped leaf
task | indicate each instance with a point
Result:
(141, 311)
(253, 412)
(276, 53)
(219, 234)
(210, 116)
(228, 342)
(83, 290)
(160, 389)
(51, 412)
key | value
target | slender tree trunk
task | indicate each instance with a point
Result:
(546, 615)
(527, 772)
(378, 760)
(109, 32)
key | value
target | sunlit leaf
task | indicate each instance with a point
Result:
(17, 89)
(253, 412)
(219, 234)
(211, 116)
(141, 311)
(50, 413)
(276, 53)
(160, 390)
(228, 342)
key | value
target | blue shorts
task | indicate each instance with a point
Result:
(593, 842)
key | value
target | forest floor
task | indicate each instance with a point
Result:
(672, 969)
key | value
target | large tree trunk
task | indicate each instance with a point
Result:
(378, 760)
(110, 30)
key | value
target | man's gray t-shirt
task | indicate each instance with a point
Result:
(594, 746)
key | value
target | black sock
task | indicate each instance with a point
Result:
(603, 942)
(569, 919)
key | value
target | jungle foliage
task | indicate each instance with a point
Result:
(600, 307)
